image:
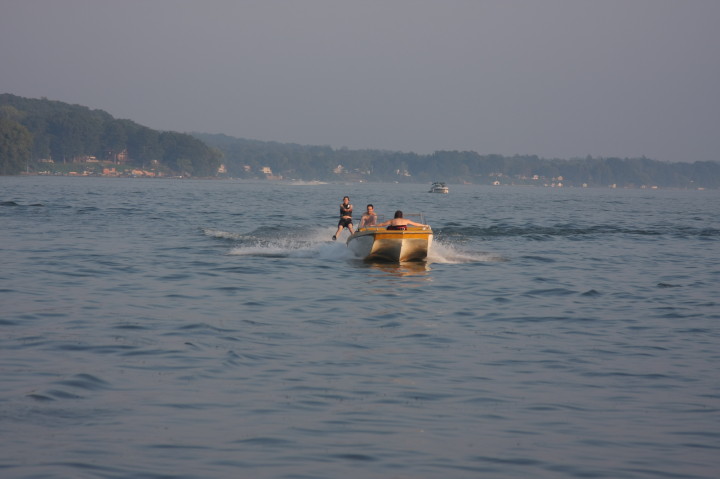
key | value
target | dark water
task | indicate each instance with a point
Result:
(196, 329)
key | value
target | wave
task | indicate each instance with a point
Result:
(276, 242)
(273, 242)
(444, 251)
(538, 232)
(214, 233)
(13, 203)
(306, 183)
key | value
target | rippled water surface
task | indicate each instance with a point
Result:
(196, 329)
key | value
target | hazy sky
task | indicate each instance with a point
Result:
(555, 78)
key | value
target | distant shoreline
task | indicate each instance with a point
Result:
(294, 182)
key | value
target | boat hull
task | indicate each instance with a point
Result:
(380, 244)
(439, 187)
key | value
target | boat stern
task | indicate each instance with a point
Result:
(380, 244)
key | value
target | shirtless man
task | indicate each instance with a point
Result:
(369, 218)
(398, 220)
(346, 210)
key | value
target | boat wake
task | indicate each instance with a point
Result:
(284, 243)
(448, 253)
(316, 243)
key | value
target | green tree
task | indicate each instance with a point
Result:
(74, 134)
(9, 112)
(114, 139)
(143, 144)
(188, 155)
(15, 147)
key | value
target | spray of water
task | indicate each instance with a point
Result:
(215, 233)
(316, 243)
(449, 253)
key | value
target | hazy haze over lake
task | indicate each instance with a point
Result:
(553, 78)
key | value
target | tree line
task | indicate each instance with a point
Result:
(33, 130)
(36, 130)
(245, 158)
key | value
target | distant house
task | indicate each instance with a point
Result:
(120, 157)
(85, 159)
(149, 174)
(269, 174)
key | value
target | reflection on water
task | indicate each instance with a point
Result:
(414, 268)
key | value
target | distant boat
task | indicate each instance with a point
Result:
(439, 187)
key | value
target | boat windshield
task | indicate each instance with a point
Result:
(416, 217)
(373, 220)
(372, 225)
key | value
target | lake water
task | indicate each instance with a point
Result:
(212, 329)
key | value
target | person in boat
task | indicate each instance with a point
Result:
(346, 210)
(399, 223)
(369, 218)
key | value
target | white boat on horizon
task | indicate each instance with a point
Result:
(439, 187)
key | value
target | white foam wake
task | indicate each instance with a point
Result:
(297, 244)
(442, 252)
(317, 243)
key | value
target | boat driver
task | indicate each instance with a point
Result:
(398, 222)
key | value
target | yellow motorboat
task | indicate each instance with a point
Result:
(378, 243)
